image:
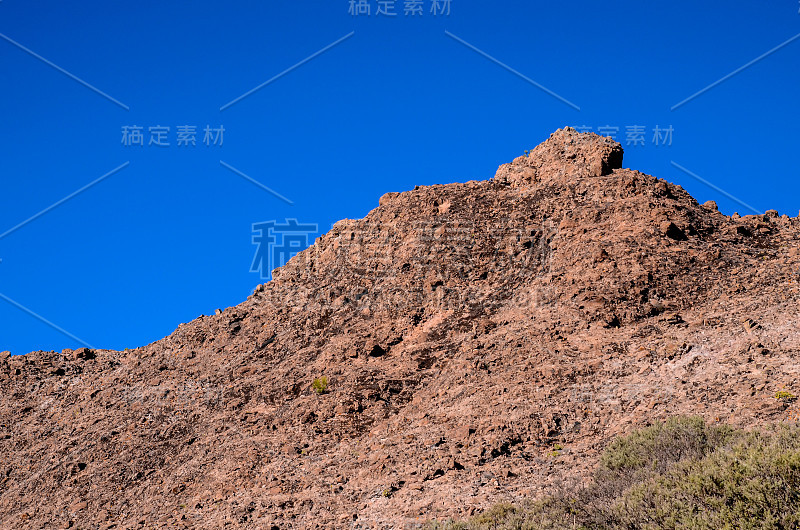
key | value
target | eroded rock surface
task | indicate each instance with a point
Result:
(467, 332)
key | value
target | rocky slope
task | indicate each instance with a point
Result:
(482, 342)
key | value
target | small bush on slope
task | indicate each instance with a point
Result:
(320, 385)
(679, 474)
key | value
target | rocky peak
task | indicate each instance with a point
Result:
(463, 344)
(566, 155)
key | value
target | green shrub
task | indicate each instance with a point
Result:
(320, 385)
(679, 474)
(656, 448)
(755, 483)
(783, 395)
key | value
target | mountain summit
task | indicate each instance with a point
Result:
(566, 154)
(463, 344)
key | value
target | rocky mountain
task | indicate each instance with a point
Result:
(461, 345)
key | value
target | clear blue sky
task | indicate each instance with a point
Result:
(399, 102)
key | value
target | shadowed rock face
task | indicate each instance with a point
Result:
(464, 329)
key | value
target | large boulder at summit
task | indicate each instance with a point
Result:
(567, 154)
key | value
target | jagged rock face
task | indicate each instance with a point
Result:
(567, 156)
(464, 330)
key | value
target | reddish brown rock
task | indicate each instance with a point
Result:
(482, 341)
(566, 155)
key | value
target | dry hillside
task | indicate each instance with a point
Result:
(481, 342)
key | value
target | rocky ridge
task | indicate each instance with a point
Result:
(482, 342)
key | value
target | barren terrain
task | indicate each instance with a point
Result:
(482, 342)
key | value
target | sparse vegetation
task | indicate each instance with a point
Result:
(320, 385)
(682, 473)
(785, 395)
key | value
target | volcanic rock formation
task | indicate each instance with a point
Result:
(481, 342)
